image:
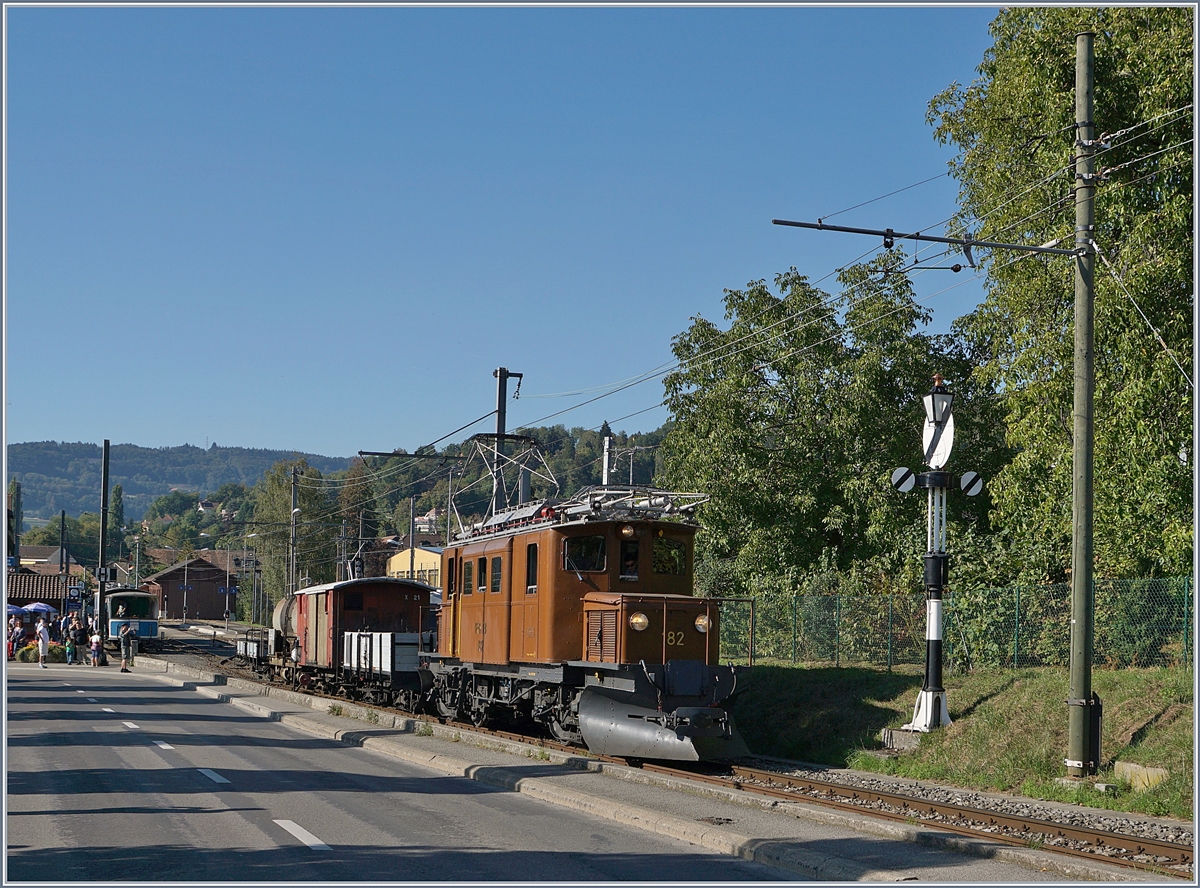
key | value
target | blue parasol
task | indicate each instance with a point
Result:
(13, 609)
(39, 608)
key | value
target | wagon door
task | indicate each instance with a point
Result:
(321, 605)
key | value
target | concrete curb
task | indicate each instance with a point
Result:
(772, 852)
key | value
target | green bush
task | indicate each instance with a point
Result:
(29, 654)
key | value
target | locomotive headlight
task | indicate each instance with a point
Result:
(702, 623)
(627, 531)
(639, 622)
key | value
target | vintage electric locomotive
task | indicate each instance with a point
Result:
(579, 616)
(576, 615)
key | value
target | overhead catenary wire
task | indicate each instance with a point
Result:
(1157, 335)
(725, 347)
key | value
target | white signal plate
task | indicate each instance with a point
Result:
(937, 453)
(971, 483)
(903, 480)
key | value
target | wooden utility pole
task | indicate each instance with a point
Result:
(1083, 742)
(291, 590)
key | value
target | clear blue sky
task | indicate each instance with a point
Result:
(322, 229)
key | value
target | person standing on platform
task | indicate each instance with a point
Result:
(95, 642)
(126, 639)
(42, 634)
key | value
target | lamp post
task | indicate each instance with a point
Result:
(937, 439)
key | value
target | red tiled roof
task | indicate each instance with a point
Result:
(29, 587)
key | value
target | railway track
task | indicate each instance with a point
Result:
(1122, 848)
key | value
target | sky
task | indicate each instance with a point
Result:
(322, 229)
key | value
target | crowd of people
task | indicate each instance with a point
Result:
(82, 642)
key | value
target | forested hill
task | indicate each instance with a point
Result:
(56, 476)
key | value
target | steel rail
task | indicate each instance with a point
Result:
(850, 798)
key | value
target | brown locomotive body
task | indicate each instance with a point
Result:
(580, 616)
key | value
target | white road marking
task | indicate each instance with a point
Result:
(79, 691)
(304, 835)
(106, 709)
(92, 700)
(67, 683)
(130, 725)
(163, 745)
(212, 775)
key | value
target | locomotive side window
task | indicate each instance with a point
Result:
(450, 576)
(468, 586)
(670, 556)
(353, 600)
(629, 559)
(482, 575)
(531, 569)
(497, 567)
(584, 553)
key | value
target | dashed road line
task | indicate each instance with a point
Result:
(106, 709)
(304, 835)
(212, 775)
(159, 743)
(131, 725)
(79, 691)
(92, 700)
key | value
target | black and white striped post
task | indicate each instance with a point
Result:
(931, 711)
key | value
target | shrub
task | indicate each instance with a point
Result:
(29, 654)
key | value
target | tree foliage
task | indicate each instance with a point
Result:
(793, 418)
(1014, 129)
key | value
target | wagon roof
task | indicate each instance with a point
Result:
(390, 581)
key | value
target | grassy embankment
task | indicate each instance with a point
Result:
(1009, 732)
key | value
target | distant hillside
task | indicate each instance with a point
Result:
(56, 476)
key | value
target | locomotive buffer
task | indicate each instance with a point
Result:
(938, 438)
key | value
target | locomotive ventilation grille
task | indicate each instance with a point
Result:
(602, 636)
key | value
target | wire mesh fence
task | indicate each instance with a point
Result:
(1135, 623)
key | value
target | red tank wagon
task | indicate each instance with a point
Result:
(309, 637)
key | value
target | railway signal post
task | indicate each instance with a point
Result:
(938, 438)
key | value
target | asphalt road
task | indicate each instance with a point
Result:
(122, 777)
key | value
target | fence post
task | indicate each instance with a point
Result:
(837, 631)
(794, 596)
(1017, 628)
(948, 640)
(1187, 621)
(891, 595)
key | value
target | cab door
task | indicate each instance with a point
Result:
(497, 601)
(529, 594)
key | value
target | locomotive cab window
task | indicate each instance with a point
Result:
(353, 600)
(629, 559)
(450, 576)
(531, 568)
(670, 556)
(468, 577)
(482, 575)
(584, 554)
(497, 568)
